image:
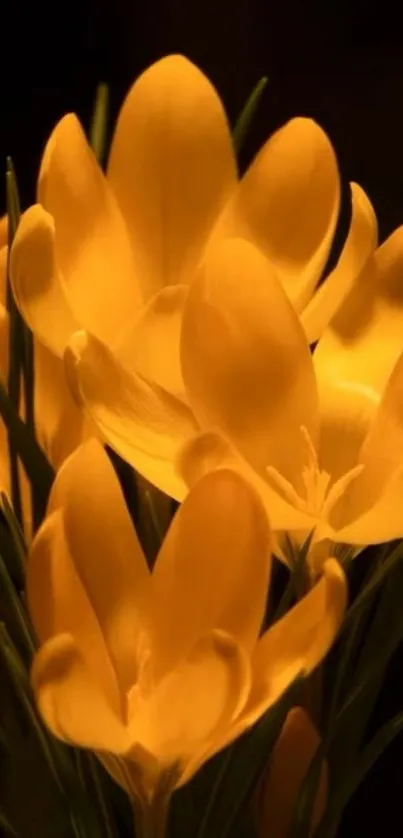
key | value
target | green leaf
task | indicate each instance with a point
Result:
(245, 763)
(36, 465)
(248, 111)
(17, 538)
(18, 621)
(99, 125)
(302, 814)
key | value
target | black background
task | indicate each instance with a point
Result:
(339, 62)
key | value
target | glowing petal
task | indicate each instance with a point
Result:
(93, 248)
(112, 569)
(141, 421)
(382, 521)
(245, 360)
(71, 700)
(360, 244)
(150, 346)
(171, 168)
(364, 340)
(297, 642)
(209, 451)
(194, 703)
(37, 282)
(287, 205)
(213, 567)
(58, 603)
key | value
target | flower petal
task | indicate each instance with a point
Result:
(93, 247)
(382, 449)
(213, 567)
(37, 283)
(71, 701)
(289, 763)
(112, 569)
(58, 603)
(364, 340)
(382, 520)
(193, 704)
(359, 245)
(297, 642)
(171, 168)
(209, 451)
(150, 346)
(287, 205)
(59, 424)
(141, 421)
(245, 360)
(347, 409)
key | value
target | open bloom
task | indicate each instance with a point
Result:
(115, 254)
(281, 785)
(320, 437)
(157, 671)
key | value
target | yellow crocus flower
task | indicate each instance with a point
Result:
(156, 671)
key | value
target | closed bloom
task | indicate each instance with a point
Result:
(157, 671)
(116, 254)
(282, 783)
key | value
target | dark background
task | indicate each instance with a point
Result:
(339, 62)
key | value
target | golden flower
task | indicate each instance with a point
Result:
(289, 763)
(158, 671)
(115, 254)
(322, 448)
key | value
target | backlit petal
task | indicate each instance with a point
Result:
(171, 168)
(209, 451)
(141, 421)
(297, 642)
(245, 360)
(365, 340)
(213, 567)
(359, 245)
(287, 205)
(380, 522)
(71, 701)
(37, 283)
(106, 552)
(58, 603)
(150, 346)
(92, 243)
(194, 703)
(60, 425)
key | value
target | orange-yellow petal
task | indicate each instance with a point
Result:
(71, 700)
(289, 763)
(37, 282)
(359, 245)
(193, 704)
(150, 346)
(171, 168)
(245, 359)
(106, 552)
(287, 205)
(213, 568)
(364, 340)
(381, 519)
(209, 451)
(58, 603)
(92, 244)
(141, 421)
(297, 643)
(60, 425)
